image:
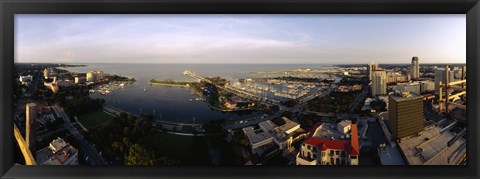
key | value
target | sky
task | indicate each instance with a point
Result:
(279, 39)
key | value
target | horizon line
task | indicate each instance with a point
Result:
(79, 63)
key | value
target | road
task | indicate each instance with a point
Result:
(90, 151)
(361, 96)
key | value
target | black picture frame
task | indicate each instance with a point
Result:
(8, 8)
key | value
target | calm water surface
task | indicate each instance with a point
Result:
(173, 103)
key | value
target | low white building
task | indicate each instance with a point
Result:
(58, 152)
(410, 87)
(427, 86)
(268, 133)
(26, 80)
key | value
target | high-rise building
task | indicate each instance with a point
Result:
(415, 68)
(31, 125)
(440, 76)
(47, 72)
(379, 83)
(406, 117)
(372, 66)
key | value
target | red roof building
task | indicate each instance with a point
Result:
(323, 151)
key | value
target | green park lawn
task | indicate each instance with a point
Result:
(95, 119)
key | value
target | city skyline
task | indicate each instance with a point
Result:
(240, 39)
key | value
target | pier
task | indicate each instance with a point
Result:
(239, 92)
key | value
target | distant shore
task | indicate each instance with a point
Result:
(171, 83)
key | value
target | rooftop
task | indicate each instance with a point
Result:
(329, 131)
(289, 125)
(405, 96)
(430, 148)
(351, 146)
(56, 154)
(345, 123)
(256, 135)
(57, 144)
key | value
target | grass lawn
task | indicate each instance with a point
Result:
(95, 119)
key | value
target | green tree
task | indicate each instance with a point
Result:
(137, 155)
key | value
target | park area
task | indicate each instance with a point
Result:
(95, 119)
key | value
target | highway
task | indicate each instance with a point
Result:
(93, 157)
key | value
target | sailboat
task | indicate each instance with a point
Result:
(144, 88)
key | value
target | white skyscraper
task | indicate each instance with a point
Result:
(371, 67)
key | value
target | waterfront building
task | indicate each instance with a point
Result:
(320, 150)
(269, 135)
(379, 85)
(58, 152)
(406, 117)
(372, 66)
(94, 76)
(31, 126)
(231, 104)
(79, 79)
(415, 68)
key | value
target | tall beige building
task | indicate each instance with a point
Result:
(415, 68)
(31, 125)
(47, 73)
(372, 66)
(379, 82)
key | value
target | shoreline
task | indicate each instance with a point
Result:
(166, 84)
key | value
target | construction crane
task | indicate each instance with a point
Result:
(450, 85)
